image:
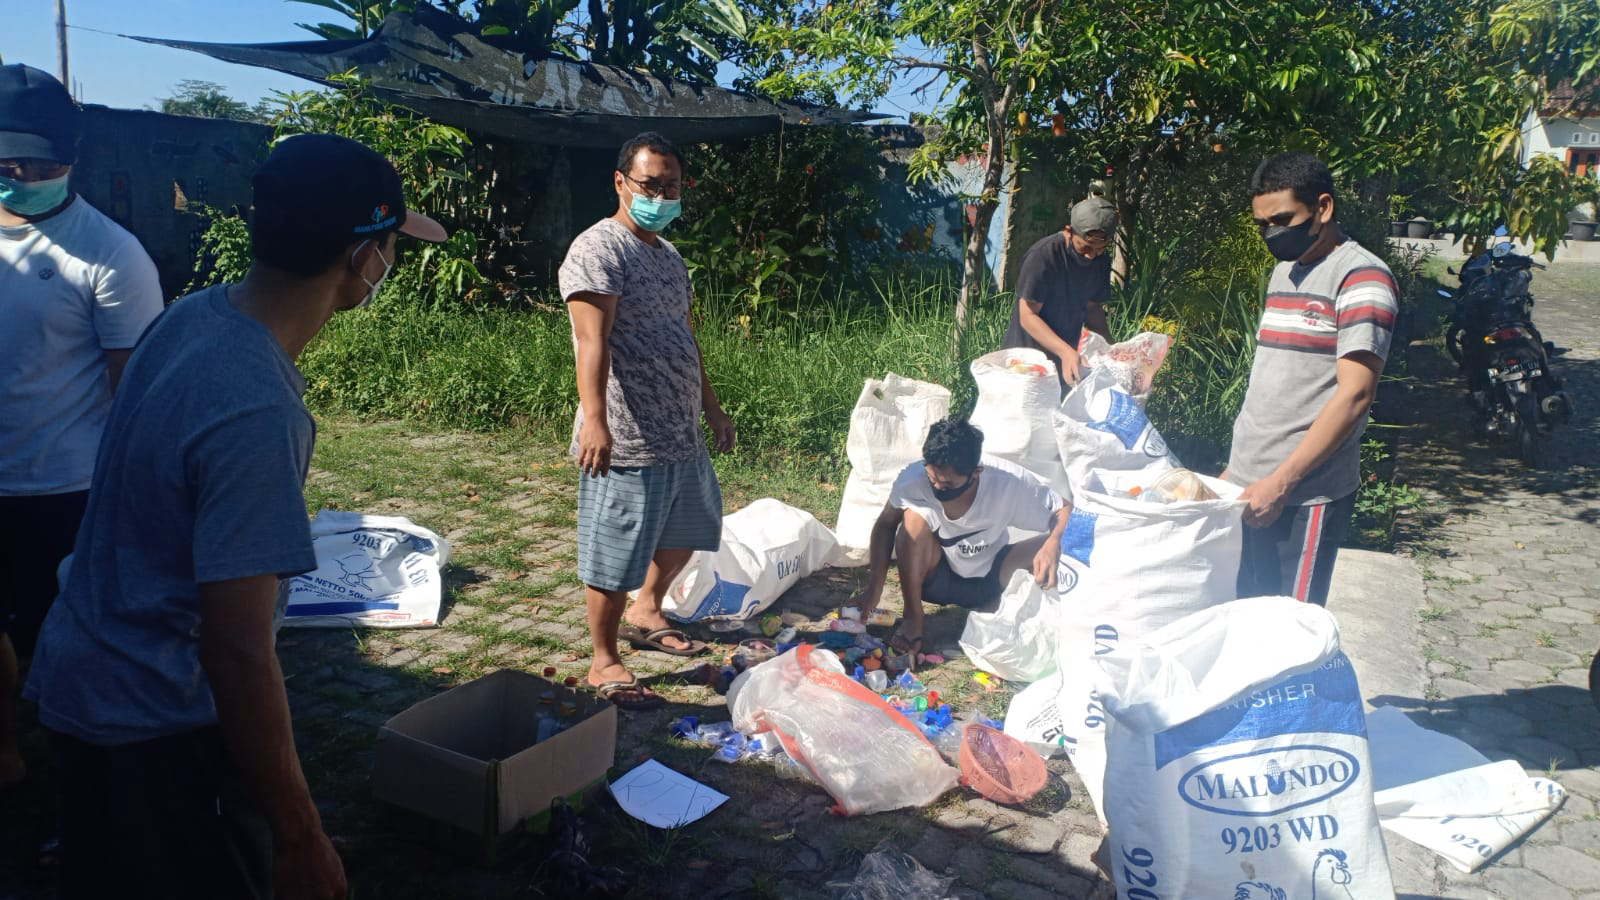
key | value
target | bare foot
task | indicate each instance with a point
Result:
(648, 622)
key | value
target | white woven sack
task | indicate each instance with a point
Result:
(1238, 763)
(1014, 409)
(890, 421)
(372, 572)
(766, 548)
(1102, 426)
(1127, 568)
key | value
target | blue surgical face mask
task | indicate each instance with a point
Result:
(33, 198)
(652, 214)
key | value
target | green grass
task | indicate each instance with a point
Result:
(788, 378)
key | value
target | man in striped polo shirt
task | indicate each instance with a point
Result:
(1323, 339)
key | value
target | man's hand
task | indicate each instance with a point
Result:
(594, 447)
(722, 431)
(1045, 564)
(1071, 366)
(1264, 501)
(308, 869)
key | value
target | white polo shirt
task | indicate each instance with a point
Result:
(71, 287)
(1008, 496)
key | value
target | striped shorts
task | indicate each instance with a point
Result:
(1294, 556)
(629, 513)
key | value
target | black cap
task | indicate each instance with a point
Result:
(38, 119)
(330, 191)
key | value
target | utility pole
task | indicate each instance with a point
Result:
(61, 41)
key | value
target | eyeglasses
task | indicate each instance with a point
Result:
(31, 169)
(657, 190)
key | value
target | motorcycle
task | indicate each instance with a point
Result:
(1506, 361)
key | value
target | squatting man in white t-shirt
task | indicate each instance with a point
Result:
(947, 523)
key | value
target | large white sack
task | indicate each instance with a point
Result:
(1437, 791)
(1133, 362)
(1034, 716)
(867, 755)
(1127, 568)
(1014, 410)
(1018, 640)
(766, 547)
(887, 428)
(1238, 762)
(372, 571)
(1102, 426)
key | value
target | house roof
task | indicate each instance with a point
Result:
(1566, 101)
(433, 62)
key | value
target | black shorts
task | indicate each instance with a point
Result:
(945, 587)
(168, 818)
(1294, 556)
(36, 533)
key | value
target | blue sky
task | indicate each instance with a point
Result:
(119, 72)
(116, 71)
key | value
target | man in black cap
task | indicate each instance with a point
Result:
(1063, 287)
(156, 671)
(77, 291)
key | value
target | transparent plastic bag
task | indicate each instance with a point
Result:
(888, 874)
(1134, 362)
(867, 756)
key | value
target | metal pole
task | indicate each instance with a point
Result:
(61, 41)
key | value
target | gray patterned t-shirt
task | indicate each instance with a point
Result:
(653, 389)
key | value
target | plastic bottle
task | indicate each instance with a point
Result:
(726, 625)
(877, 680)
(546, 718)
(949, 741)
(786, 635)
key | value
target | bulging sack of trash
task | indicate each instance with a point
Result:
(1133, 363)
(869, 757)
(1100, 425)
(890, 421)
(766, 548)
(1238, 763)
(1127, 568)
(1018, 392)
(372, 572)
(1018, 640)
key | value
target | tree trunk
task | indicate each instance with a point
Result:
(974, 286)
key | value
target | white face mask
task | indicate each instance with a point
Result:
(372, 287)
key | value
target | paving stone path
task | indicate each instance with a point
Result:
(1511, 606)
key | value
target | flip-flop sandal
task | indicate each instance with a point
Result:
(609, 690)
(636, 636)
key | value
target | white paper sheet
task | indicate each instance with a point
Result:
(659, 796)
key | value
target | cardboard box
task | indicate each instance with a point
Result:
(467, 757)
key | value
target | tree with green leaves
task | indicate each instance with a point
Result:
(206, 100)
(365, 16)
(1122, 84)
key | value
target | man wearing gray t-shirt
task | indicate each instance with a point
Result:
(647, 495)
(1324, 335)
(156, 672)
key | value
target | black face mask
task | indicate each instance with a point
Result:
(1289, 242)
(945, 495)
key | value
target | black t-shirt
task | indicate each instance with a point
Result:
(1058, 279)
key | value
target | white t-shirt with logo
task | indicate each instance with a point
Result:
(71, 287)
(1008, 496)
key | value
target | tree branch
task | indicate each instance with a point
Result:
(912, 62)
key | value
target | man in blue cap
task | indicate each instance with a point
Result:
(77, 291)
(156, 670)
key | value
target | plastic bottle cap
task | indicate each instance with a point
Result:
(549, 671)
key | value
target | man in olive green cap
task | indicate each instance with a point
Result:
(1064, 285)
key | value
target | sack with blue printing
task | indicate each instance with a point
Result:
(372, 572)
(766, 548)
(1128, 567)
(1101, 426)
(1238, 762)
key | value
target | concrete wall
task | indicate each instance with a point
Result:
(1555, 136)
(148, 171)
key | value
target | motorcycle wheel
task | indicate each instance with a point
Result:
(1452, 343)
(1528, 446)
